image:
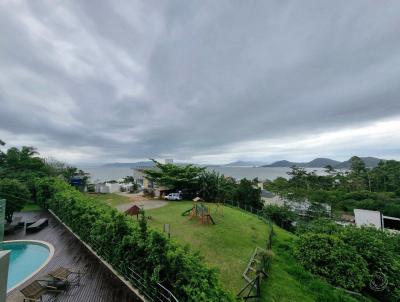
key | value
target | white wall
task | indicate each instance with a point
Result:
(367, 217)
(4, 260)
(113, 187)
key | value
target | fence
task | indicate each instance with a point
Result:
(153, 293)
(252, 289)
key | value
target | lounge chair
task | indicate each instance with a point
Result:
(63, 273)
(35, 291)
(38, 225)
(10, 227)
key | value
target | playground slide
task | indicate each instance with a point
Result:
(185, 213)
(212, 220)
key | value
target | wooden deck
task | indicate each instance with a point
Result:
(98, 284)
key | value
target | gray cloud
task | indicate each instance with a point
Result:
(98, 80)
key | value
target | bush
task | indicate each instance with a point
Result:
(282, 216)
(148, 252)
(379, 250)
(329, 257)
(16, 195)
(320, 225)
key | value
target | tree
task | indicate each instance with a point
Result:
(22, 164)
(185, 177)
(129, 179)
(210, 185)
(246, 194)
(329, 169)
(298, 177)
(16, 195)
(282, 216)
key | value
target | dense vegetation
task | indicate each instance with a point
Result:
(360, 259)
(18, 170)
(361, 187)
(229, 244)
(124, 243)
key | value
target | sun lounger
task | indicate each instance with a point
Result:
(63, 273)
(8, 228)
(35, 291)
(38, 225)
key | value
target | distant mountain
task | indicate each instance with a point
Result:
(370, 162)
(283, 163)
(147, 164)
(241, 163)
(323, 162)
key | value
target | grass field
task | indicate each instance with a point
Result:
(31, 207)
(228, 245)
(111, 199)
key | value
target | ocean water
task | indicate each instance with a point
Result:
(109, 173)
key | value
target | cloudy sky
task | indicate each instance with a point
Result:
(203, 81)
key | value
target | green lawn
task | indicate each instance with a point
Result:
(111, 199)
(229, 244)
(31, 207)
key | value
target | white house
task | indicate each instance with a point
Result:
(107, 187)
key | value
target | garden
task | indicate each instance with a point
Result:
(229, 244)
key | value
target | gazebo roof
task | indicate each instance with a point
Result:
(133, 210)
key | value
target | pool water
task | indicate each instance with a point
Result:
(25, 259)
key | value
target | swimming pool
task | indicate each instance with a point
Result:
(26, 258)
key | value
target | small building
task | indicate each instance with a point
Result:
(107, 187)
(376, 219)
(148, 185)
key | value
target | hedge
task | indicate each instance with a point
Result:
(148, 252)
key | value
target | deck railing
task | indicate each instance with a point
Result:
(153, 293)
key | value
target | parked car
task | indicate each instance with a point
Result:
(173, 196)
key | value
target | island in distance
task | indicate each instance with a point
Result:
(323, 162)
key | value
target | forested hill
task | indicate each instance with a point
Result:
(323, 162)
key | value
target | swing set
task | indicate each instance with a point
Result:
(203, 212)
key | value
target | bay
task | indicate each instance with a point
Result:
(100, 174)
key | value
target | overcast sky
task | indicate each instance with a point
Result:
(203, 81)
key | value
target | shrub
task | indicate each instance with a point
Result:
(380, 252)
(124, 243)
(282, 216)
(329, 257)
(16, 195)
(379, 249)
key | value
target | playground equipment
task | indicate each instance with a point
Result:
(200, 211)
(219, 208)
